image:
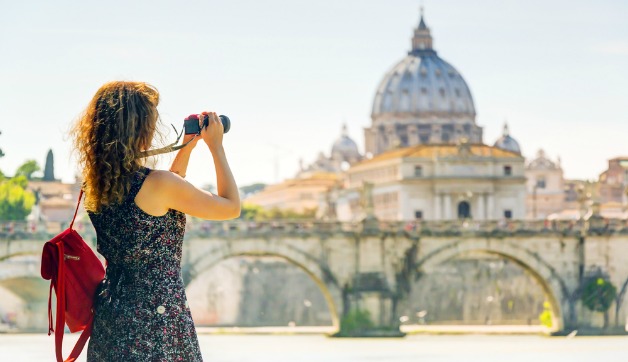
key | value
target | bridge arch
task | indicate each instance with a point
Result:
(548, 278)
(309, 264)
(14, 248)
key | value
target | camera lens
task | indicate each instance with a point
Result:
(226, 123)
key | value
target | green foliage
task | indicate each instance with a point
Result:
(546, 315)
(1, 153)
(27, 169)
(15, 201)
(253, 188)
(356, 322)
(598, 294)
(257, 213)
(250, 212)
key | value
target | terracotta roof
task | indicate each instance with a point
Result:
(317, 179)
(51, 187)
(439, 150)
(58, 202)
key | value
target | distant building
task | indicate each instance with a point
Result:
(425, 159)
(310, 189)
(344, 153)
(429, 160)
(438, 182)
(545, 187)
(300, 194)
(55, 201)
(613, 182)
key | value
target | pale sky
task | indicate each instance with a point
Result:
(289, 72)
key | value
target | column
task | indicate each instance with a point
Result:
(491, 207)
(448, 215)
(413, 135)
(481, 207)
(437, 209)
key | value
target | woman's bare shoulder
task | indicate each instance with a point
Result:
(163, 179)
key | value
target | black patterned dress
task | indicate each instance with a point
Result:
(141, 311)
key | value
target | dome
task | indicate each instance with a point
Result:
(423, 83)
(345, 149)
(421, 100)
(505, 142)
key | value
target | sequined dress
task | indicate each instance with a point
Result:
(141, 310)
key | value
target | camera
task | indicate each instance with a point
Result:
(191, 126)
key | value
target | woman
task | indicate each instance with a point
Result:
(141, 312)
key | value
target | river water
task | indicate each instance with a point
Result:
(318, 348)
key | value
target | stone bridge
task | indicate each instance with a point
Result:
(371, 265)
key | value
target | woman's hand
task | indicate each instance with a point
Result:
(212, 134)
(193, 139)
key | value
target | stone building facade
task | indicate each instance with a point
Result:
(546, 193)
(614, 181)
(437, 182)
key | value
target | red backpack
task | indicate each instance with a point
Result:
(75, 272)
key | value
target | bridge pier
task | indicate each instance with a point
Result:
(368, 314)
(370, 295)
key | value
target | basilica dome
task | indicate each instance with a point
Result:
(422, 82)
(506, 142)
(421, 100)
(344, 148)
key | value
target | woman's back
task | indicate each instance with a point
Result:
(141, 308)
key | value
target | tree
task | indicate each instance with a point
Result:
(49, 168)
(15, 201)
(257, 213)
(597, 295)
(1, 153)
(250, 212)
(27, 169)
(253, 188)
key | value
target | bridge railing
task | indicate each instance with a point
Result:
(412, 228)
(12, 230)
(21, 230)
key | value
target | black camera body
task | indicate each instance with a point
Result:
(191, 126)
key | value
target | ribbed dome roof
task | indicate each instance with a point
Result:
(505, 142)
(422, 82)
(345, 148)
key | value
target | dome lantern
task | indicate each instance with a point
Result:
(422, 39)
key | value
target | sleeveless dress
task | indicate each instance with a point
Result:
(141, 310)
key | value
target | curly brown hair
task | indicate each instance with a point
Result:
(119, 122)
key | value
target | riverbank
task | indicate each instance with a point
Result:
(408, 329)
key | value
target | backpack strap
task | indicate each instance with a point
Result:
(60, 292)
(61, 304)
(77, 207)
(80, 344)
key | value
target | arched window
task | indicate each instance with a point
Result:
(464, 210)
